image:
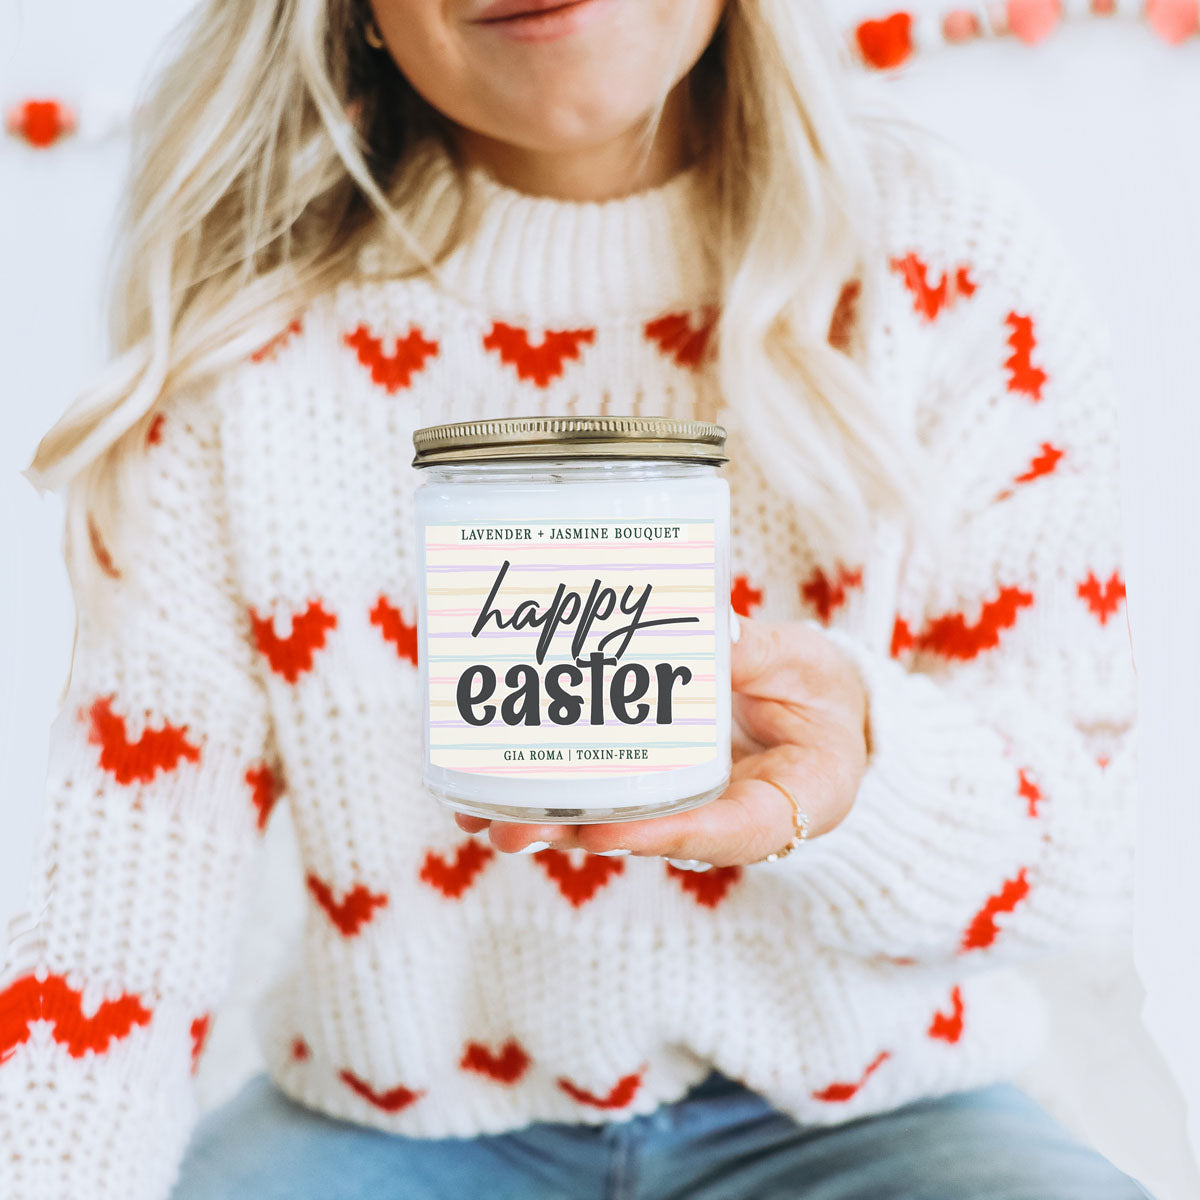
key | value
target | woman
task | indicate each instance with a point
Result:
(348, 222)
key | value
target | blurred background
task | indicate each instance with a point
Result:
(1099, 120)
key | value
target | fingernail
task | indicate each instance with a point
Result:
(534, 847)
(735, 627)
(689, 864)
(613, 853)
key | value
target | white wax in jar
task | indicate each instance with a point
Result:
(647, 540)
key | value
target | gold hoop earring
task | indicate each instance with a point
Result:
(373, 37)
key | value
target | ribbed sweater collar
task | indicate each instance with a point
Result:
(550, 260)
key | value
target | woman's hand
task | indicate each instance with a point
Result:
(802, 702)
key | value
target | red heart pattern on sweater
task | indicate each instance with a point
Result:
(1025, 377)
(1029, 792)
(269, 349)
(620, 1095)
(507, 1065)
(948, 1027)
(540, 364)
(679, 340)
(390, 622)
(744, 598)
(155, 431)
(355, 909)
(887, 43)
(454, 878)
(903, 639)
(392, 1101)
(828, 595)
(578, 882)
(292, 656)
(199, 1034)
(983, 930)
(953, 636)
(709, 887)
(265, 789)
(930, 300)
(129, 762)
(27, 999)
(394, 371)
(839, 1093)
(1102, 599)
(1042, 464)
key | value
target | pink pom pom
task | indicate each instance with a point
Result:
(1173, 20)
(960, 25)
(1033, 20)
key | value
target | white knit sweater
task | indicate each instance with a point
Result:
(264, 651)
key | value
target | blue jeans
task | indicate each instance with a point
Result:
(720, 1142)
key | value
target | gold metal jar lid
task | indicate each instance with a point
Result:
(570, 437)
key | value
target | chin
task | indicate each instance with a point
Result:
(549, 130)
(552, 141)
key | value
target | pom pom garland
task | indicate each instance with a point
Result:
(44, 122)
(881, 43)
(887, 42)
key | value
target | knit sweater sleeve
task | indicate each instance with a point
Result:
(995, 820)
(158, 784)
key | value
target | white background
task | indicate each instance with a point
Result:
(1100, 123)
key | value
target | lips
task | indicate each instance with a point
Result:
(507, 10)
(539, 21)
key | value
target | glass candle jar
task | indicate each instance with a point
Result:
(574, 618)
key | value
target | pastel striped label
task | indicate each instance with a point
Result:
(557, 649)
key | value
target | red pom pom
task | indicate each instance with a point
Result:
(41, 122)
(886, 44)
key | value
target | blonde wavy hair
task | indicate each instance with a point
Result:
(274, 143)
